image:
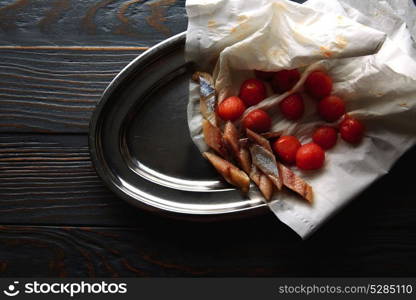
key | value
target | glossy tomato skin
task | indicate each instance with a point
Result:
(257, 120)
(263, 75)
(292, 107)
(325, 136)
(331, 108)
(252, 91)
(285, 80)
(318, 85)
(351, 130)
(310, 157)
(231, 108)
(286, 148)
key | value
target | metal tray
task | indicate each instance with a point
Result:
(141, 147)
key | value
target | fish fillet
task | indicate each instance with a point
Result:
(263, 182)
(258, 139)
(241, 154)
(266, 162)
(208, 98)
(231, 173)
(271, 134)
(295, 183)
(245, 159)
(214, 139)
(266, 135)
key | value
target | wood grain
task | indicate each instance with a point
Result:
(251, 248)
(55, 90)
(53, 15)
(49, 180)
(157, 18)
(59, 56)
(88, 23)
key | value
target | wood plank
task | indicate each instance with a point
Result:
(49, 179)
(251, 248)
(58, 56)
(89, 23)
(55, 90)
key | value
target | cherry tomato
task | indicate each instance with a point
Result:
(231, 109)
(310, 157)
(263, 75)
(351, 130)
(285, 80)
(292, 107)
(325, 136)
(252, 91)
(257, 120)
(286, 148)
(331, 108)
(318, 85)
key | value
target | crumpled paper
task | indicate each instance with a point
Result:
(232, 38)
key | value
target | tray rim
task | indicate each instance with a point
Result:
(106, 177)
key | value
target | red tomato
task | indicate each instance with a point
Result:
(331, 108)
(292, 107)
(231, 109)
(252, 91)
(263, 75)
(318, 85)
(286, 148)
(325, 136)
(285, 80)
(257, 120)
(310, 157)
(351, 130)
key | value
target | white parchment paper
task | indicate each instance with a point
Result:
(233, 37)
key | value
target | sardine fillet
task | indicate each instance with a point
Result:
(214, 139)
(231, 137)
(295, 183)
(208, 99)
(266, 135)
(263, 182)
(266, 162)
(244, 159)
(231, 173)
(258, 139)
(241, 154)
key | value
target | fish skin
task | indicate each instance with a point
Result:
(295, 183)
(206, 85)
(231, 138)
(245, 159)
(271, 134)
(266, 135)
(208, 98)
(229, 172)
(266, 162)
(255, 175)
(263, 182)
(258, 139)
(214, 138)
(266, 187)
(243, 142)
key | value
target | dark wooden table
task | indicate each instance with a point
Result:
(57, 218)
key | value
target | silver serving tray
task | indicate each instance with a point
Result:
(141, 147)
